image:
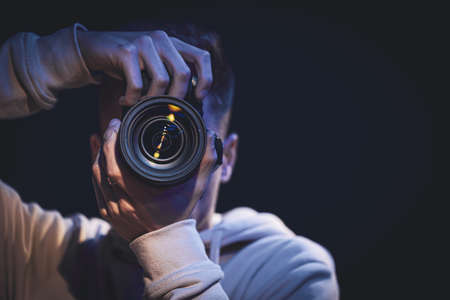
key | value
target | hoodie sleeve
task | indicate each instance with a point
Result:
(33, 242)
(34, 69)
(176, 265)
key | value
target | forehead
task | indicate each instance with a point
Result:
(109, 107)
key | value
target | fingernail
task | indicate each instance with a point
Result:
(113, 127)
(108, 133)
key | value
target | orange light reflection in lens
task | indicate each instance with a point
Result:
(174, 108)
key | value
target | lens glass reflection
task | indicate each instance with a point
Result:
(162, 139)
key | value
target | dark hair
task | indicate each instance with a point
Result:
(223, 76)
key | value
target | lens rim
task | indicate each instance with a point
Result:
(142, 167)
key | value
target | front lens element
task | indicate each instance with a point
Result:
(162, 140)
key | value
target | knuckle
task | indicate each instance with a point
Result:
(128, 49)
(205, 56)
(135, 87)
(126, 209)
(95, 169)
(208, 81)
(129, 102)
(115, 212)
(161, 81)
(160, 34)
(108, 145)
(145, 40)
(103, 213)
(183, 75)
(113, 174)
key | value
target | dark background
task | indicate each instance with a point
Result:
(334, 111)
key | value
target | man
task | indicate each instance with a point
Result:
(150, 245)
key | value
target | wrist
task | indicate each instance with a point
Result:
(80, 36)
(48, 64)
(62, 61)
(169, 248)
(79, 33)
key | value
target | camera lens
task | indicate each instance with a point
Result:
(162, 139)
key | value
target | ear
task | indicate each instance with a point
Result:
(229, 157)
(95, 143)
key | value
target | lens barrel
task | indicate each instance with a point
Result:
(163, 139)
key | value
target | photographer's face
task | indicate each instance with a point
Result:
(204, 182)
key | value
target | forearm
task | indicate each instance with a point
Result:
(176, 265)
(34, 69)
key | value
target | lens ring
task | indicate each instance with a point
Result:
(189, 158)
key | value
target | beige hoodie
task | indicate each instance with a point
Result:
(43, 255)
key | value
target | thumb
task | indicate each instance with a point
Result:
(113, 128)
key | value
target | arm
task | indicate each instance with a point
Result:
(34, 69)
(175, 264)
(32, 244)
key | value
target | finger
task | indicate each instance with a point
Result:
(111, 200)
(109, 197)
(96, 173)
(154, 66)
(130, 65)
(100, 200)
(94, 141)
(124, 202)
(210, 156)
(116, 200)
(181, 74)
(110, 173)
(112, 169)
(100, 186)
(202, 62)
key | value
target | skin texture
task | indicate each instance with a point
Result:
(133, 206)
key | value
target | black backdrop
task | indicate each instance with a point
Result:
(333, 109)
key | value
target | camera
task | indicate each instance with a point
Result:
(163, 139)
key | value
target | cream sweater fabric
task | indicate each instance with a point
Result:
(43, 255)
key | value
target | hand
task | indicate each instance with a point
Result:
(123, 55)
(132, 205)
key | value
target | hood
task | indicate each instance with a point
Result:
(241, 224)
